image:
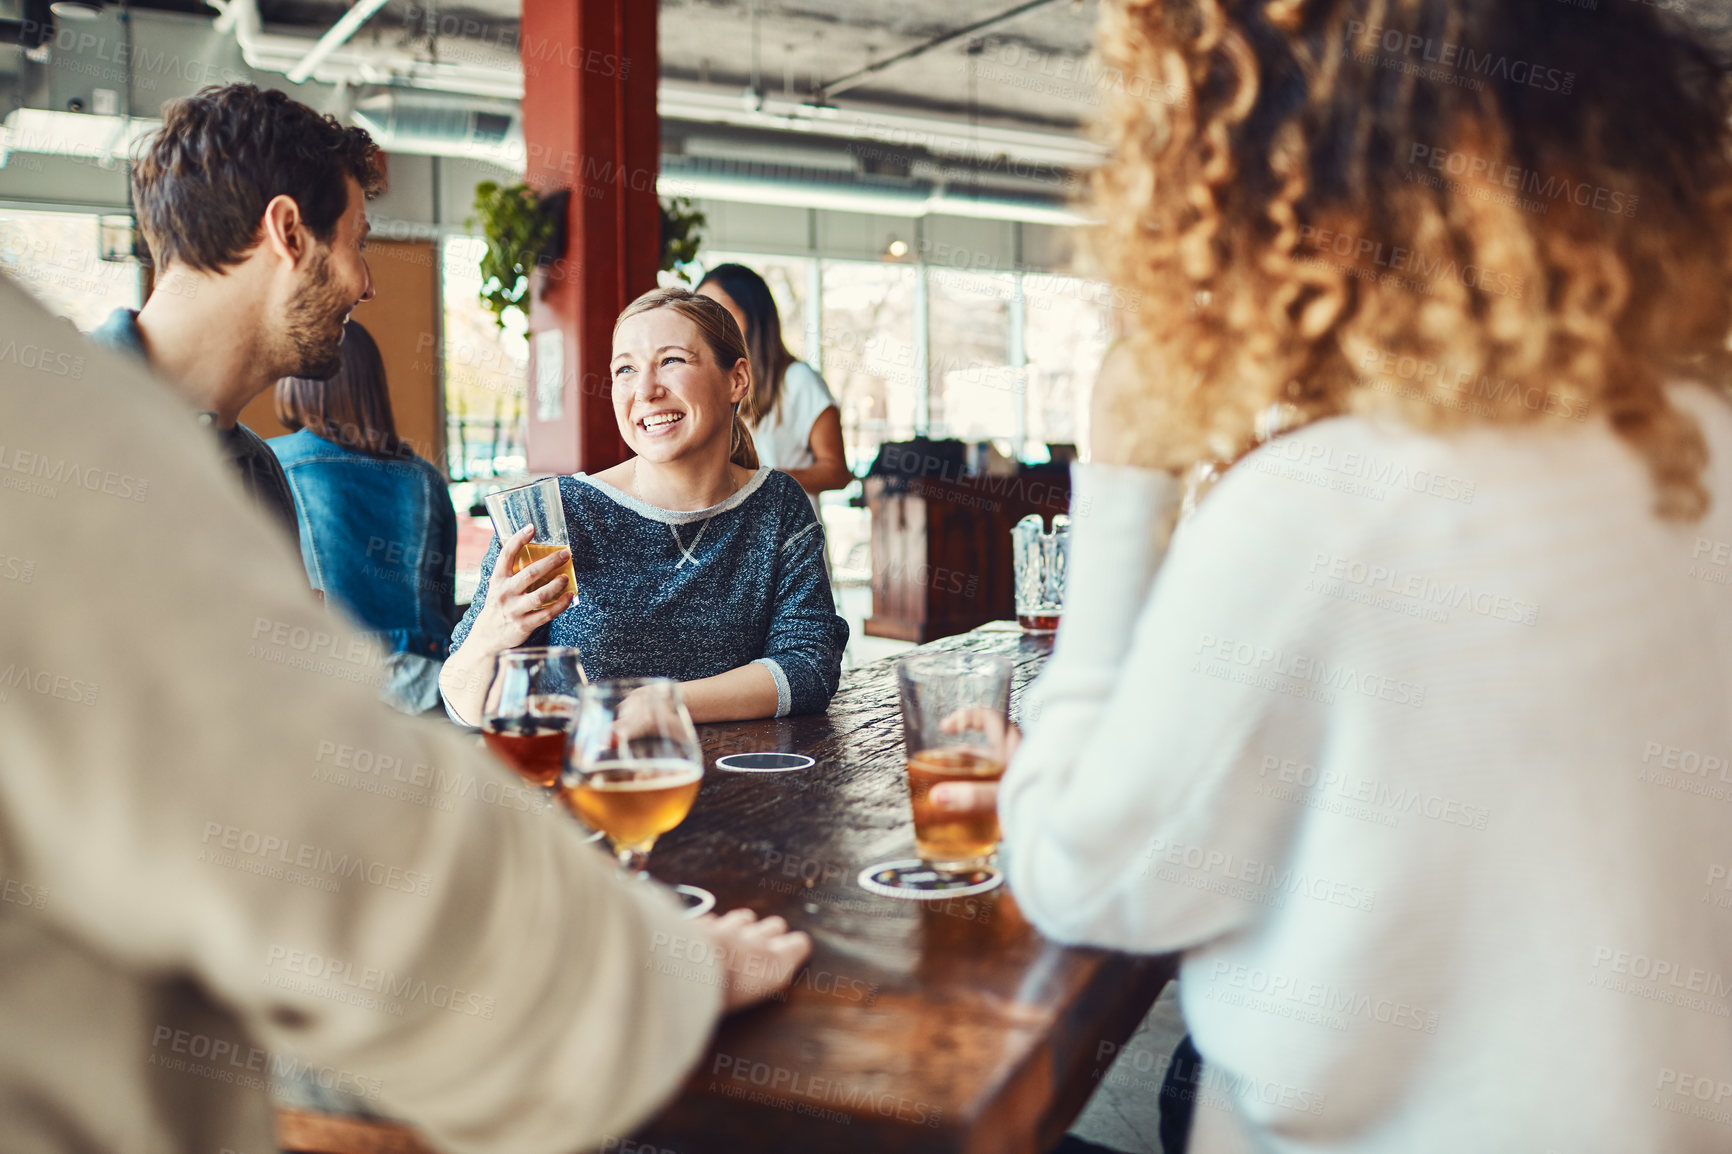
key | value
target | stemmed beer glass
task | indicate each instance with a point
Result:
(530, 705)
(633, 768)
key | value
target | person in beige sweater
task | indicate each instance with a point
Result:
(223, 861)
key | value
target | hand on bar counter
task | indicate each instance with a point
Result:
(759, 957)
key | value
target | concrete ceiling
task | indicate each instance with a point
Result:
(1030, 71)
(1025, 71)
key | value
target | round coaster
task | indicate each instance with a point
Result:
(916, 880)
(764, 762)
(698, 902)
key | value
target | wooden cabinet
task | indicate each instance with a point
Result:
(941, 561)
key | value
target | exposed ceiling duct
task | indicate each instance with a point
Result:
(494, 72)
(490, 72)
(104, 140)
(857, 158)
(427, 125)
(713, 104)
(764, 184)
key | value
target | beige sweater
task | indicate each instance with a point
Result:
(221, 859)
(1418, 747)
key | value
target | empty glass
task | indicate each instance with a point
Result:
(1040, 559)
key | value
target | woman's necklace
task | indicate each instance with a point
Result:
(632, 485)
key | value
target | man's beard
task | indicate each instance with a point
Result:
(315, 323)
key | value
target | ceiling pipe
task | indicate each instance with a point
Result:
(335, 38)
(500, 76)
(822, 92)
(711, 104)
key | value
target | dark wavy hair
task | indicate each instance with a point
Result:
(1532, 199)
(353, 408)
(768, 354)
(202, 180)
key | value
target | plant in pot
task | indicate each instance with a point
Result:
(522, 230)
(681, 232)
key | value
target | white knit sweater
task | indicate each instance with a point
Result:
(1418, 747)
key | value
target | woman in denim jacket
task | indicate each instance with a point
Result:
(378, 532)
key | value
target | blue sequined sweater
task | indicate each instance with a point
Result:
(693, 594)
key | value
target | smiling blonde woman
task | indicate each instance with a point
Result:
(692, 561)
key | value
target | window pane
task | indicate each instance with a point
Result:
(869, 353)
(56, 257)
(1068, 328)
(787, 277)
(973, 385)
(486, 372)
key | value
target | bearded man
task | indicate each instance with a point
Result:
(254, 207)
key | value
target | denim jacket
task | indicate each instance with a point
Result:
(379, 536)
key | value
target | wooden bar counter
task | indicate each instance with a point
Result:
(941, 554)
(917, 1026)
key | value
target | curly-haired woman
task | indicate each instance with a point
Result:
(1415, 741)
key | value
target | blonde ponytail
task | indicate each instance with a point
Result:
(742, 451)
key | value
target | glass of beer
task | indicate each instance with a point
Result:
(634, 764)
(531, 703)
(537, 503)
(955, 712)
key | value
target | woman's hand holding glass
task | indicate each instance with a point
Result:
(515, 608)
(977, 797)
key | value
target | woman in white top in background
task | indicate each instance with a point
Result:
(795, 423)
(1416, 743)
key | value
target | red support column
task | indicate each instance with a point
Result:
(589, 125)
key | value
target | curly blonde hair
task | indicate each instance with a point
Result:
(1453, 211)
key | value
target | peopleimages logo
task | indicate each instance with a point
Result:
(47, 683)
(1227, 978)
(1299, 667)
(371, 987)
(1401, 259)
(1262, 882)
(1394, 799)
(1524, 180)
(224, 842)
(37, 467)
(1420, 589)
(1470, 383)
(1364, 474)
(1454, 60)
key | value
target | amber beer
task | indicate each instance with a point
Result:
(534, 551)
(534, 747)
(636, 802)
(534, 744)
(1038, 622)
(947, 838)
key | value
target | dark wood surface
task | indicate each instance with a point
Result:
(917, 1027)
(941, 555)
